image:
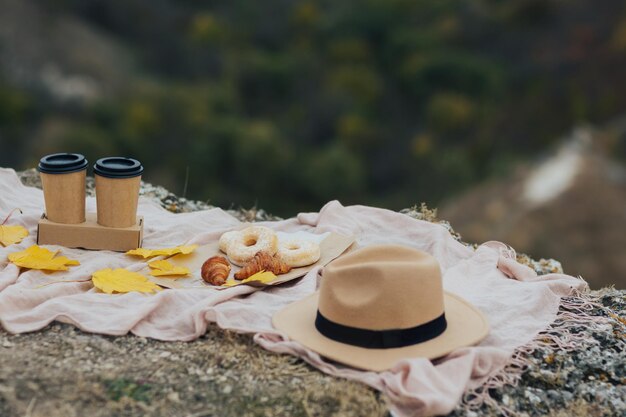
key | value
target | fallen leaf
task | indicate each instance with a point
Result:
(166, 268)
(149, 253)
(264, 277)
(122, 280)
(36, 257)
(12, 234)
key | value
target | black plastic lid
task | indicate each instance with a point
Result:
(118, 167)
(62, 163)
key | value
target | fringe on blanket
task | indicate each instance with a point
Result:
(562, 335)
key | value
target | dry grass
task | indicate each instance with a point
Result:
(63, 372)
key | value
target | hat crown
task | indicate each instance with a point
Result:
(382, 287)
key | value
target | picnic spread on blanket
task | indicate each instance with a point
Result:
(358, 292)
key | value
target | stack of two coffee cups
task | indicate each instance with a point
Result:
(117, 189)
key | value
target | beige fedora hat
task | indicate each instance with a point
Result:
(378, 305)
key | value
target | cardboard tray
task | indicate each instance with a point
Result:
(90, 235)
(331, 246)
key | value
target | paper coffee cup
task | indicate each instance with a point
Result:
(117, 191)
(63, 182)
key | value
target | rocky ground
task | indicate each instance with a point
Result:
(63, 372)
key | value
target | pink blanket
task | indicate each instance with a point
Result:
(517, 303)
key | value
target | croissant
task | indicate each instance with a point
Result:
(263, 261)
(215, 270)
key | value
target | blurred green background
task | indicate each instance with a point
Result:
(509, 115)
(287, 104)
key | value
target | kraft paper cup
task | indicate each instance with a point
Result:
(63, 182)
(117, 191)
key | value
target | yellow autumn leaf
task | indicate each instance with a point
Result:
(36, 257)
(149, 253)
(166, 268)
(12, 234)
(264, 277)
(122, 280)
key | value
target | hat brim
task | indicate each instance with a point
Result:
(466, 326)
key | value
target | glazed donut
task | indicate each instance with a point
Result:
(297, 253)
(241, 246)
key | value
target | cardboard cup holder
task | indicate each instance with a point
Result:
(90, 235)
(115, 226)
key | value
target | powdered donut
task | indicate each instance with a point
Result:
(297, 253)
(241, 246)
(226, 239)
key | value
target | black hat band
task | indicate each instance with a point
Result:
(380, 339)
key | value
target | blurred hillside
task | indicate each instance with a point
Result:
(570, 205)
(288, 104)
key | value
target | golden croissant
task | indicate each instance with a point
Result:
(215, 270)
(263, 261)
